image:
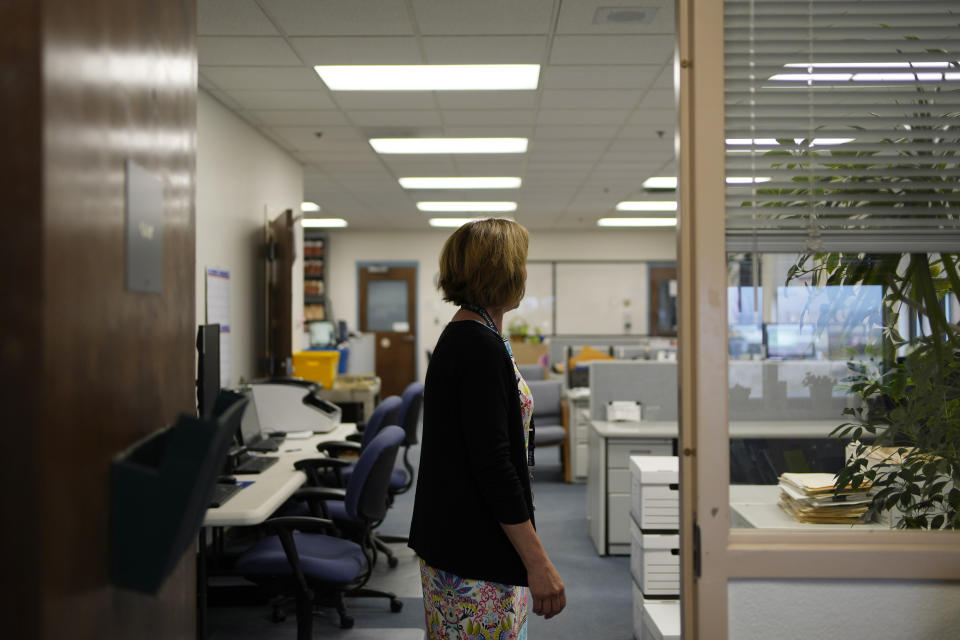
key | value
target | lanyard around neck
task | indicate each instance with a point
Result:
(488, 321)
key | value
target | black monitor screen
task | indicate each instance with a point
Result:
(208, 368)
(250, 423)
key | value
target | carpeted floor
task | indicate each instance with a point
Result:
(599, 599)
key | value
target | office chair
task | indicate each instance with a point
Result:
(548, 415)
(531, 372)
(412, 399)
(320, 568)
(385, 413)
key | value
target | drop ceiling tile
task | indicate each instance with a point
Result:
(582, 116)
(232, 18)
(379, 100)
(557, 146)
(653, 117)
(396, 117)
(242, 51)
(340, 17)
(260, 78)
(611, 49)
(318, 155)
(282, 99)
(578, 17)
(223, 98)
(647, 131)
(488, 131)
(491, 17)
(622, 76)
(589, 99)
(333, 137)
(574, 133)
(665, 78)
(485, 49)
(490, 165)
(303, 117)
(489, 116)
(579, 157)
(486, 99)
(657, 99)
(356, 50)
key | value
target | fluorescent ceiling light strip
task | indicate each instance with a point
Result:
(647, 205)
(455, 222)
(660, 182)
(430, 77)
(479, 207)
(461, 183)
(309, 206)
(324, 223)
(637, 222)
(449, 145)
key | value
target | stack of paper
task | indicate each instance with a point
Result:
(811, 497)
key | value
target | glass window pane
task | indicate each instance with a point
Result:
(387, 305)
(845, 365)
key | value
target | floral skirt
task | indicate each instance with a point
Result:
(463, 609)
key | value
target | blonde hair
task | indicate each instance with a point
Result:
(484, 263)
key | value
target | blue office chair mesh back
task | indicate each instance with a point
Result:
(385, 413)
(366, 494)
(410, 415)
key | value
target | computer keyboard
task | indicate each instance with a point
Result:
(267, 444)
(255, 464)
(223, 492)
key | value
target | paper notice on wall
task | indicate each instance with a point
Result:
(218, 311)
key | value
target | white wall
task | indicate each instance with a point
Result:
(849, 609)
(346, 248)
(242, 178)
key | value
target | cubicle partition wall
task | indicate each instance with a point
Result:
(652, 384)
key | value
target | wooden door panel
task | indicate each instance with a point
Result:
(394, 330)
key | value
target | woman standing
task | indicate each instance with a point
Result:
(473, 525)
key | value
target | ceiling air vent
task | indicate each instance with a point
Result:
(625, 15)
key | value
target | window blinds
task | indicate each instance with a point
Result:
(842, 125)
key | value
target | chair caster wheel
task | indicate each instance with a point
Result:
(346, 622)
(396, 606)
(392, 562)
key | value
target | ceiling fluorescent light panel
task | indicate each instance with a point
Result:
(637, 222)
(472, 207)
(324, 223)
(431, 77)
(461, 183)
(449, 145)
(647, 205)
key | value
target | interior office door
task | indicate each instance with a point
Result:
(387, 296)
(280, 254)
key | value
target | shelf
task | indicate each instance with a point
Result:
(312, 277)
(313, 300)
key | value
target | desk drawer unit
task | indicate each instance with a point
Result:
(655, 491)
(655, 619)
(655, 562)
(619, 454)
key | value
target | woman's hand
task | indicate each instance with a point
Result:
(546, 587)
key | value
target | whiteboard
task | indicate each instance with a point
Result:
(602, 298)
(536, 308)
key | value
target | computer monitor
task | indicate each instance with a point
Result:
(322, 333)
(250, 430)
(208, 368)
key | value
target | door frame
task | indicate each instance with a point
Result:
(415, 265)
(704, 426)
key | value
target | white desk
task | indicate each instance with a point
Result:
(608, 472)
(254, 503)
(754, 506)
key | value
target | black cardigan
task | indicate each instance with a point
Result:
(473, 466)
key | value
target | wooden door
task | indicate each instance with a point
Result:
(279, 285)
(388, 297)
(663, 301)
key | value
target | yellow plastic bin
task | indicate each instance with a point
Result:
(319, 366)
